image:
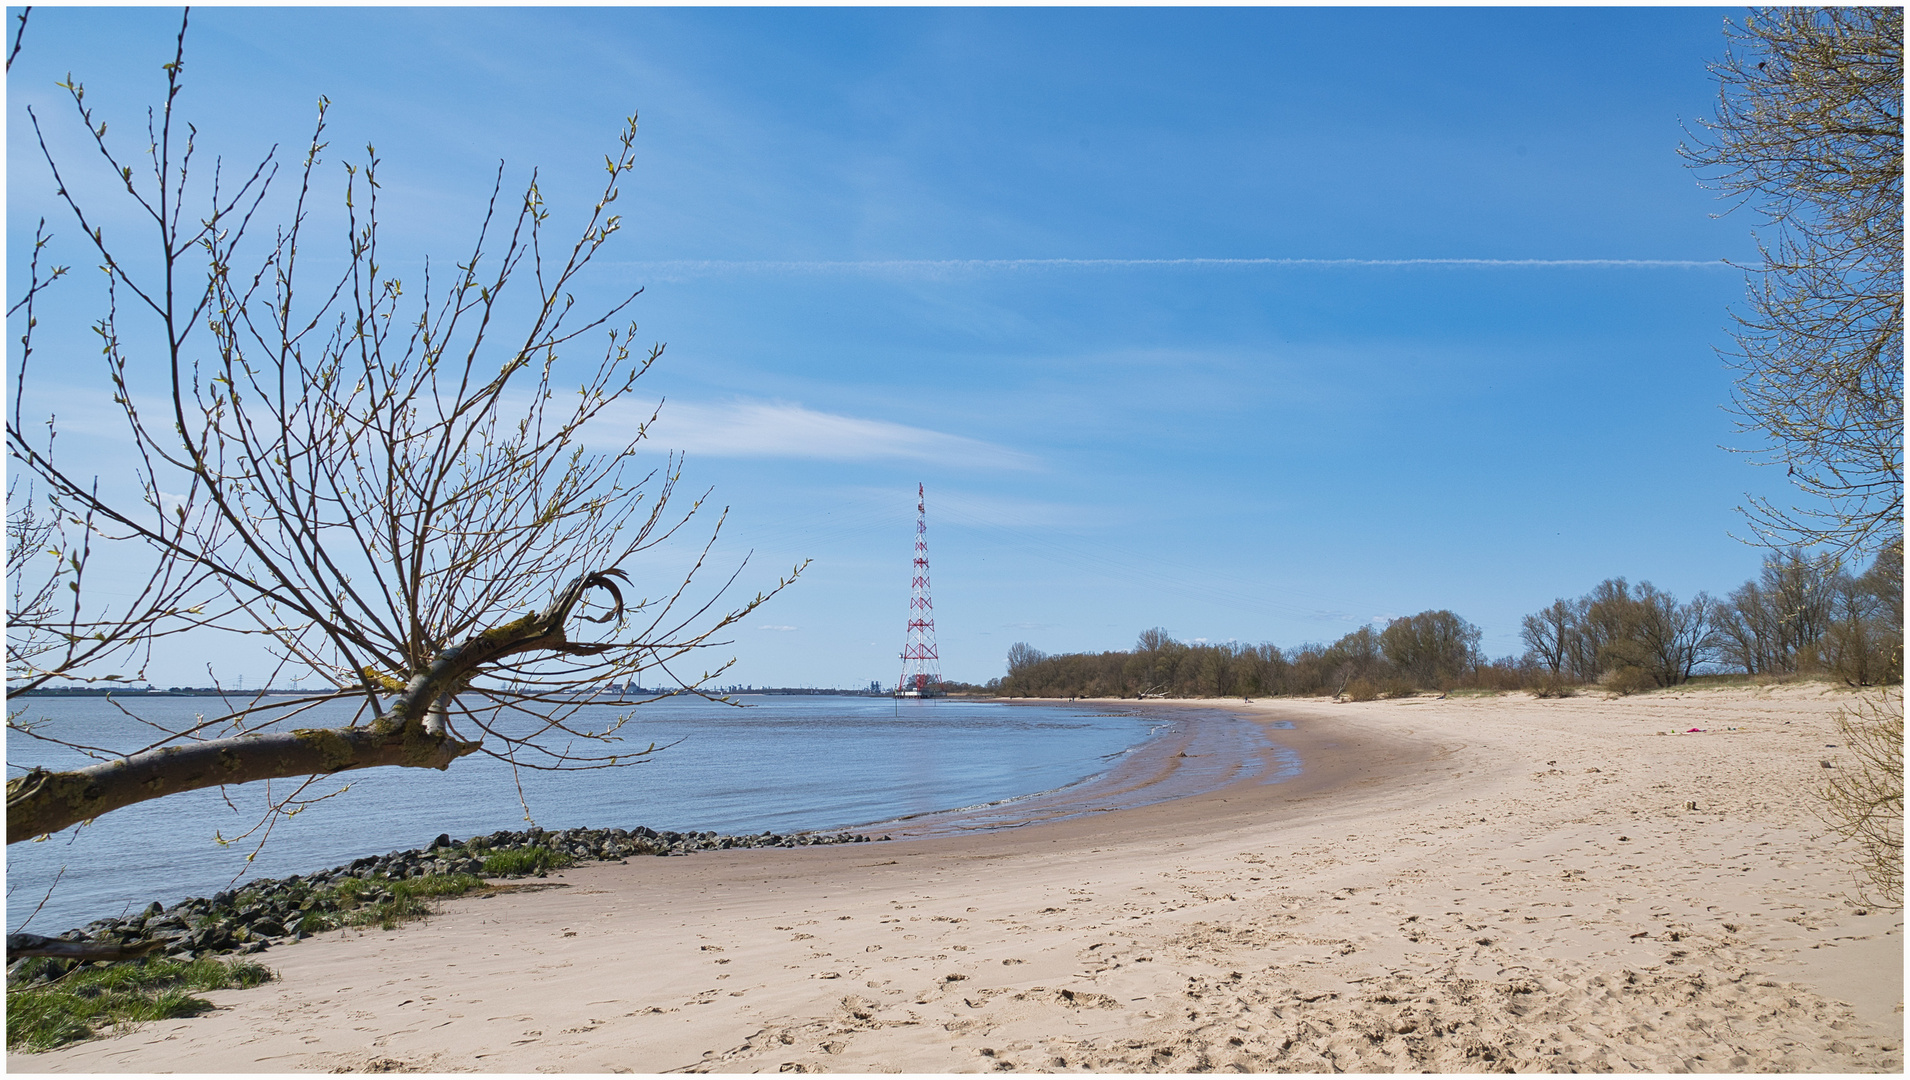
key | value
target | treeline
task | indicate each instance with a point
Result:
(1431, 649)
(1801, 615)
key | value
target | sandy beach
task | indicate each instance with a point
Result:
(1464, 884)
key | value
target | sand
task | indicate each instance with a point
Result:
(1464, 884)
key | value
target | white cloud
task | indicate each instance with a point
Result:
(782, 629)
(781, 429)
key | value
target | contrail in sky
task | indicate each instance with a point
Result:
(919, 265)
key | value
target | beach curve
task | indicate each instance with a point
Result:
(1453, 885)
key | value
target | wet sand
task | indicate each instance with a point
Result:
(1462, 885)
(1198, 748)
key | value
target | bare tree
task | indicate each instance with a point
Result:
(1675, 639)
(1549, 634)
(1863, 642)
(1608, 622)
(397, 495)
(1809, 136)
(1023, 655)
(19, 35)
(1864, 801)
(1772, 624)
(1635, 636)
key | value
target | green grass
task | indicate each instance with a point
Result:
(382, 902)
(43, 1015)
(533, 860)
(74, 1006)
(439, 885)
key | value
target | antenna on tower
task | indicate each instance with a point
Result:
(921, 665)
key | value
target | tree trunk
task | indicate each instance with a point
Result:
(410, 733)
(42, 802)
(21, 945)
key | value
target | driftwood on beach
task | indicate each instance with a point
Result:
(24, 945)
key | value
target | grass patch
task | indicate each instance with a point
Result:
(432, 885)
(1732, 680)
(73, 1006)
(46, 1009)
(381, 902)
(527, 860)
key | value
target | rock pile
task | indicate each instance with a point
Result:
(265, 912)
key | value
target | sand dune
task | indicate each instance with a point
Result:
(1466, 884)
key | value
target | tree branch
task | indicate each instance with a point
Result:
(411, 733)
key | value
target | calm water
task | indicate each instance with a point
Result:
(783, 764)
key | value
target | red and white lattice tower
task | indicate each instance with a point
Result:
(921, 667)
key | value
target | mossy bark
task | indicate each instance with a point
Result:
(41, 802)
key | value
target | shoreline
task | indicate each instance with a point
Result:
(1448, 885)
(743, 772)
(1186, 759)
(1193, 756)
(1144, 774)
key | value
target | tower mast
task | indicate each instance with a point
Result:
(921, 666)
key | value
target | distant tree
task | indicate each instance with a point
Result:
(1433, 648)
(1354, 661)
(1359, 647)
(1022, 655)
(1638, 637)
(1158, 665)
(1747, 635)
(390, 493)
(1153, 665)
(1863, 638)
(1550, 635)
(1212, 670)
(1772, 624)
(1809, 137)
(1154, 640)
(1272, 672)
(1310, 669)
(1514, 673)
(1673, 639)
(1608, 625)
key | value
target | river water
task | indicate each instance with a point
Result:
(782, 764)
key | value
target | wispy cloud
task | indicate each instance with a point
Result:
(781, 429)
(932, 267)
(779, 629)
(968, 506)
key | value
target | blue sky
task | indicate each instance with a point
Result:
(1250, 324)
